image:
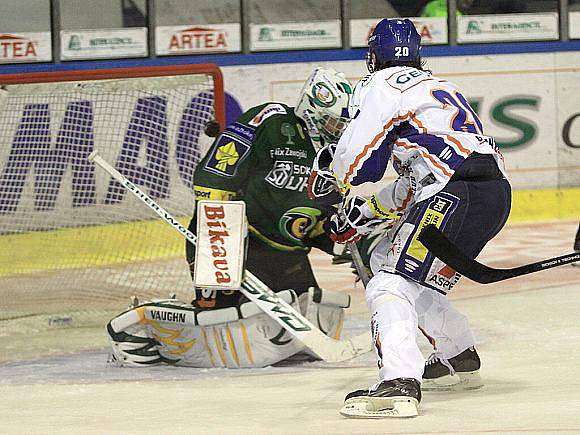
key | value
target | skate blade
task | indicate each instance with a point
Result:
(380, 407)
(458, 382)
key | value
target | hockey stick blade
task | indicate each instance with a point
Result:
(449, 253)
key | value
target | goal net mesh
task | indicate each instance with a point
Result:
(74, 245)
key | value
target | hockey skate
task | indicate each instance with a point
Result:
(458, 373)
(396, 398)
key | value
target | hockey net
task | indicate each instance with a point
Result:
(74, 246)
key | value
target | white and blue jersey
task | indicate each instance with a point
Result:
(451, 174)
(422, 123)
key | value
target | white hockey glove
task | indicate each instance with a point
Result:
(391, 202)
(353, 220)
(321, 184)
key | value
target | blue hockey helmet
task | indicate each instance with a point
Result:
(393, 41)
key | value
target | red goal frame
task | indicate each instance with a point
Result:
(134, 72)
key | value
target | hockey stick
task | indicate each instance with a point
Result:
(276, 308)
(355, 254)
(358, 263)
(450, 254)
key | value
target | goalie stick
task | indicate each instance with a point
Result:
(284, 314)
(449, 253)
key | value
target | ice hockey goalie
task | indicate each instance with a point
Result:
(173, 332)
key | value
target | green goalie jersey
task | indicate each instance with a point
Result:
(264, 158)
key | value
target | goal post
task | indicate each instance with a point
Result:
(72, 242)
(207, 69)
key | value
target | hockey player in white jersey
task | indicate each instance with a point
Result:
(450, 174)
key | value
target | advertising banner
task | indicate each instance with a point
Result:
(219, 251)
(433, 30)
(103, 43)
(288, 36)
(206, 38)
(25, 47)
(574, 24)
(507, 27)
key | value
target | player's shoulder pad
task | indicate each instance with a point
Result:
(403, 78)
(230, 149)
(257, 115)
(370, 86)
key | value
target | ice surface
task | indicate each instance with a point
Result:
(528, 337)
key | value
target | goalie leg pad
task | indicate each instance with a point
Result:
(131, 342)
(325, 309)
(241, 337)
(135, 335)
(177, 333)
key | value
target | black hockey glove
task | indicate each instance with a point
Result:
(351, 222)
(321, 183)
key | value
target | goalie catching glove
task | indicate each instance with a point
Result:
(353, 220)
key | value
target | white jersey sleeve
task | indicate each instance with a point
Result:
(363, 151)
(421, 123)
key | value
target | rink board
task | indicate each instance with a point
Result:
(71, 248)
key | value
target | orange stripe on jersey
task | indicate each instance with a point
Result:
(419, 124)
(426, 155)
(373, 142)
(396, 89)
(458, 144)
(406, 200)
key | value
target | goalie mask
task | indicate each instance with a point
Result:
(323, 105)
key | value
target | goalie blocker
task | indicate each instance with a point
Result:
(221, 232)
(173, 332)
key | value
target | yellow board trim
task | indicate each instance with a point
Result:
(107, 245)
(545, 204)
(85, 247)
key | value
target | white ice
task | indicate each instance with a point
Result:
(528, 336)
